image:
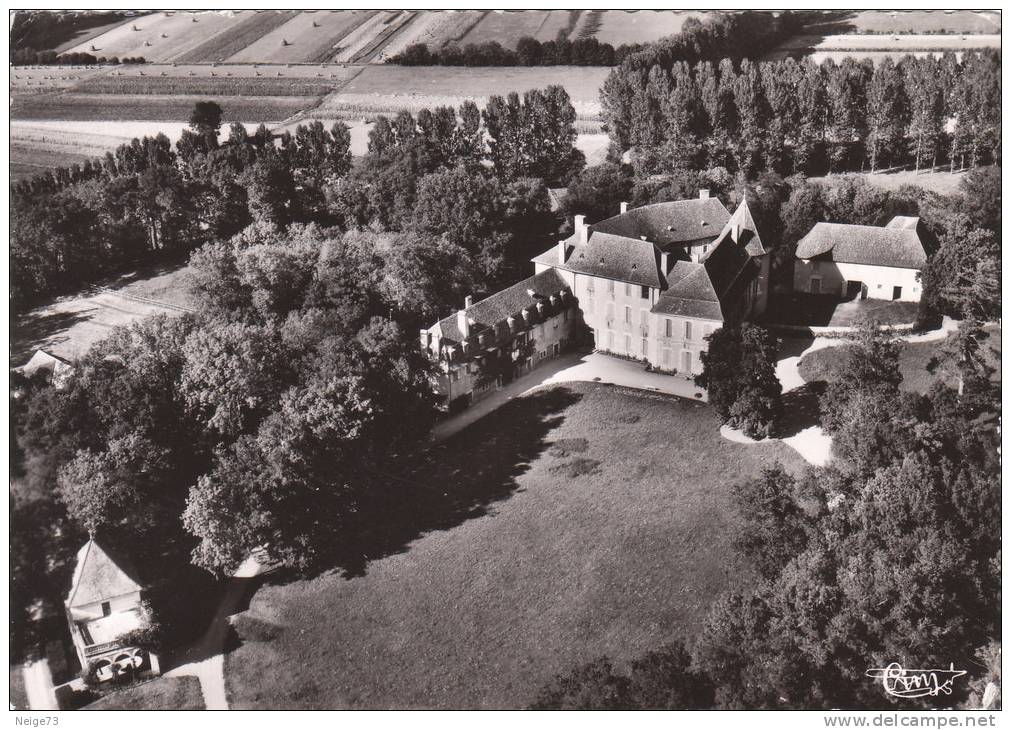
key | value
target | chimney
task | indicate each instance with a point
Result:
(462, 323)
(426, 339)
(561, 252)
(468, 301)
(581, 228)
(665, 262)
(703, 193)
(624, 207)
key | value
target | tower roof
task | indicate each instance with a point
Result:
(100, 575)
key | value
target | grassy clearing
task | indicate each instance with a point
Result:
(531, 542)
(68, 326)
(164, 693)
(820, 310)
(827, 363)
(939, 180)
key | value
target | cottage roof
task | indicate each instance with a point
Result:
(898, 244)
(501, 305)
(669, 224)
(43, 360)
(100, 575)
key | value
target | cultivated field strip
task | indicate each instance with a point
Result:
(433, 29)
(508, 26)
(252, 25)
(389, 29)
(305, 37)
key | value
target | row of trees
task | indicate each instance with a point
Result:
(792, 116)
(32, 57)
(148, 199)
(529, 52)
(890, 554)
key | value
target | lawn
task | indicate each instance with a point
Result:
(164, 693)
(531, 542)
(813, 310)
(939, 180)
(18, 695)
(827, 363)
(68, 326)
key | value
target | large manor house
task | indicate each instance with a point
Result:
(651, 283)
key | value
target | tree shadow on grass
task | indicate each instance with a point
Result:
(451, 482)
(793, 346)
(800, 409)
(39, 330)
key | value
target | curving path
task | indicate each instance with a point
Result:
(205, 659)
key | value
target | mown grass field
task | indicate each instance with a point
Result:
(910, 21)
(826, 364)
(531, 542)
(163, 693)
(68, 326)
(620, 27)
(166, 108)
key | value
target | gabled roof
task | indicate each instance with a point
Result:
(742, 230)
(669, 224)
(100, 576)
(610, 257)
(43, 360)
(897, 245)
(501, 305)
(707, 290)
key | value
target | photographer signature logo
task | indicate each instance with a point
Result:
(912, 683)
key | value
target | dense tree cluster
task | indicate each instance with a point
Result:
(149, 199)
(32, 57)
(798, 116)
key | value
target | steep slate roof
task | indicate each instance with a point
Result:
(43, 360)
(610, 257)
(748, 235)
(669, 224)
(99, 576)
(897, 245)
(705, 289)
(501, 305)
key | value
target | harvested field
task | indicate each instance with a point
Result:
(32, 79)
(364, 36)
(83, 36)
(386, 89)
(118, 107)
(909, 21)
(252, 25)
(161, 36)
(307, 37)
(894, 43)
(508, 26)
(272, 83)
(621, 27)
(434, 29)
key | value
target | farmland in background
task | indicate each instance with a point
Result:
(252, 25)
(508, 26)
(908, 21)
(162, 36)
(435, 29)
(879, 46)
(620, 27)
(83, 36)
(307, 37)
